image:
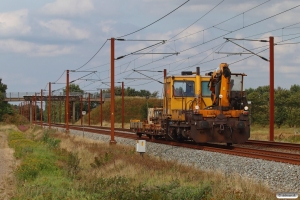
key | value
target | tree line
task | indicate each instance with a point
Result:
(286, 103)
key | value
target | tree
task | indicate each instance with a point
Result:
(280, 115)
(145, 93)
(154, 94)
(130, 92)
(5, 108)
(295, 89)
(74, 88)
(259, 106)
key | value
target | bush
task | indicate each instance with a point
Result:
(15, 119)
(36, 158)
(73, 162)
(52, 142)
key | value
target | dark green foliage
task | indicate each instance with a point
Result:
(52, 142)
(132, 92)
(100, 161)
(5, 108)
(73, 162)
(120, 187)
(287, 105)
(35, 158)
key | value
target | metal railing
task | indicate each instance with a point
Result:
(17, 95)
(20, 95)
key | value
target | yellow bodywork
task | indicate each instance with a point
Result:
(225, 87)
(175, 105)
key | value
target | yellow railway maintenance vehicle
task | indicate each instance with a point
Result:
(210, 108)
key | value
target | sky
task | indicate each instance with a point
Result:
(40, 40)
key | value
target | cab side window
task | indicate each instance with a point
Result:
(205, 92)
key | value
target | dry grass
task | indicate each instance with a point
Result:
(119, 160)
(284, 134)
(7, 165)
(105, 124)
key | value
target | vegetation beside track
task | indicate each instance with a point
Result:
(59, 166)
(136, 109)
(283, 134)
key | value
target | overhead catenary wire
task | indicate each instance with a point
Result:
(160, 59)
(92, 56)
(154, 21)
(60, 77)
(197, 20)
(236, 29)
(128, 65)
(214, 26)
(241, 28)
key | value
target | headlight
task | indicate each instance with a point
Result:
(197, 107)
(220, 96)
(246, 108)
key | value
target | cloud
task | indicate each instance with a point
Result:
(65, 29)
(288, 69)
(197, 8)
(107, 26)
(68, 7)
(32, 49)
(14, 23)
(240, 6)
(290, 16)
(16, 78)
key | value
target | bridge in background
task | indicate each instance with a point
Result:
(55, 96)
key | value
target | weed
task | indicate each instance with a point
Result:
(52, 143)
(191, 192)
(98, 162)
(59, 173)
(73, 162)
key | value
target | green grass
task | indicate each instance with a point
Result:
(59, 166)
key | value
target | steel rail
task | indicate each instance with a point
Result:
(233, 150)
(284, 145)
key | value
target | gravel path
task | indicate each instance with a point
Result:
(7, 164)
(280, 177)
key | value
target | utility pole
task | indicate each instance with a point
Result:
(49, 106)
(35, 105)
(101, 119)
(271, 42)
(41, 122)
(67, 103)
(112, 92)
(89, 108)
(123, 108)
(81, 109)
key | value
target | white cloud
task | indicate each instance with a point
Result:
(15, 78)
(197, 8)
(14, 23)
(106, 26)
(288, 69)
(290, 16)
(68, 7)
(240, 6)
(64, 28)
(32, 49)
(292, 76)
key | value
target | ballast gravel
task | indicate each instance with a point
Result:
(279, 177)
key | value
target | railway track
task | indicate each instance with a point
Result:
(291, 158)
(281, 145)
